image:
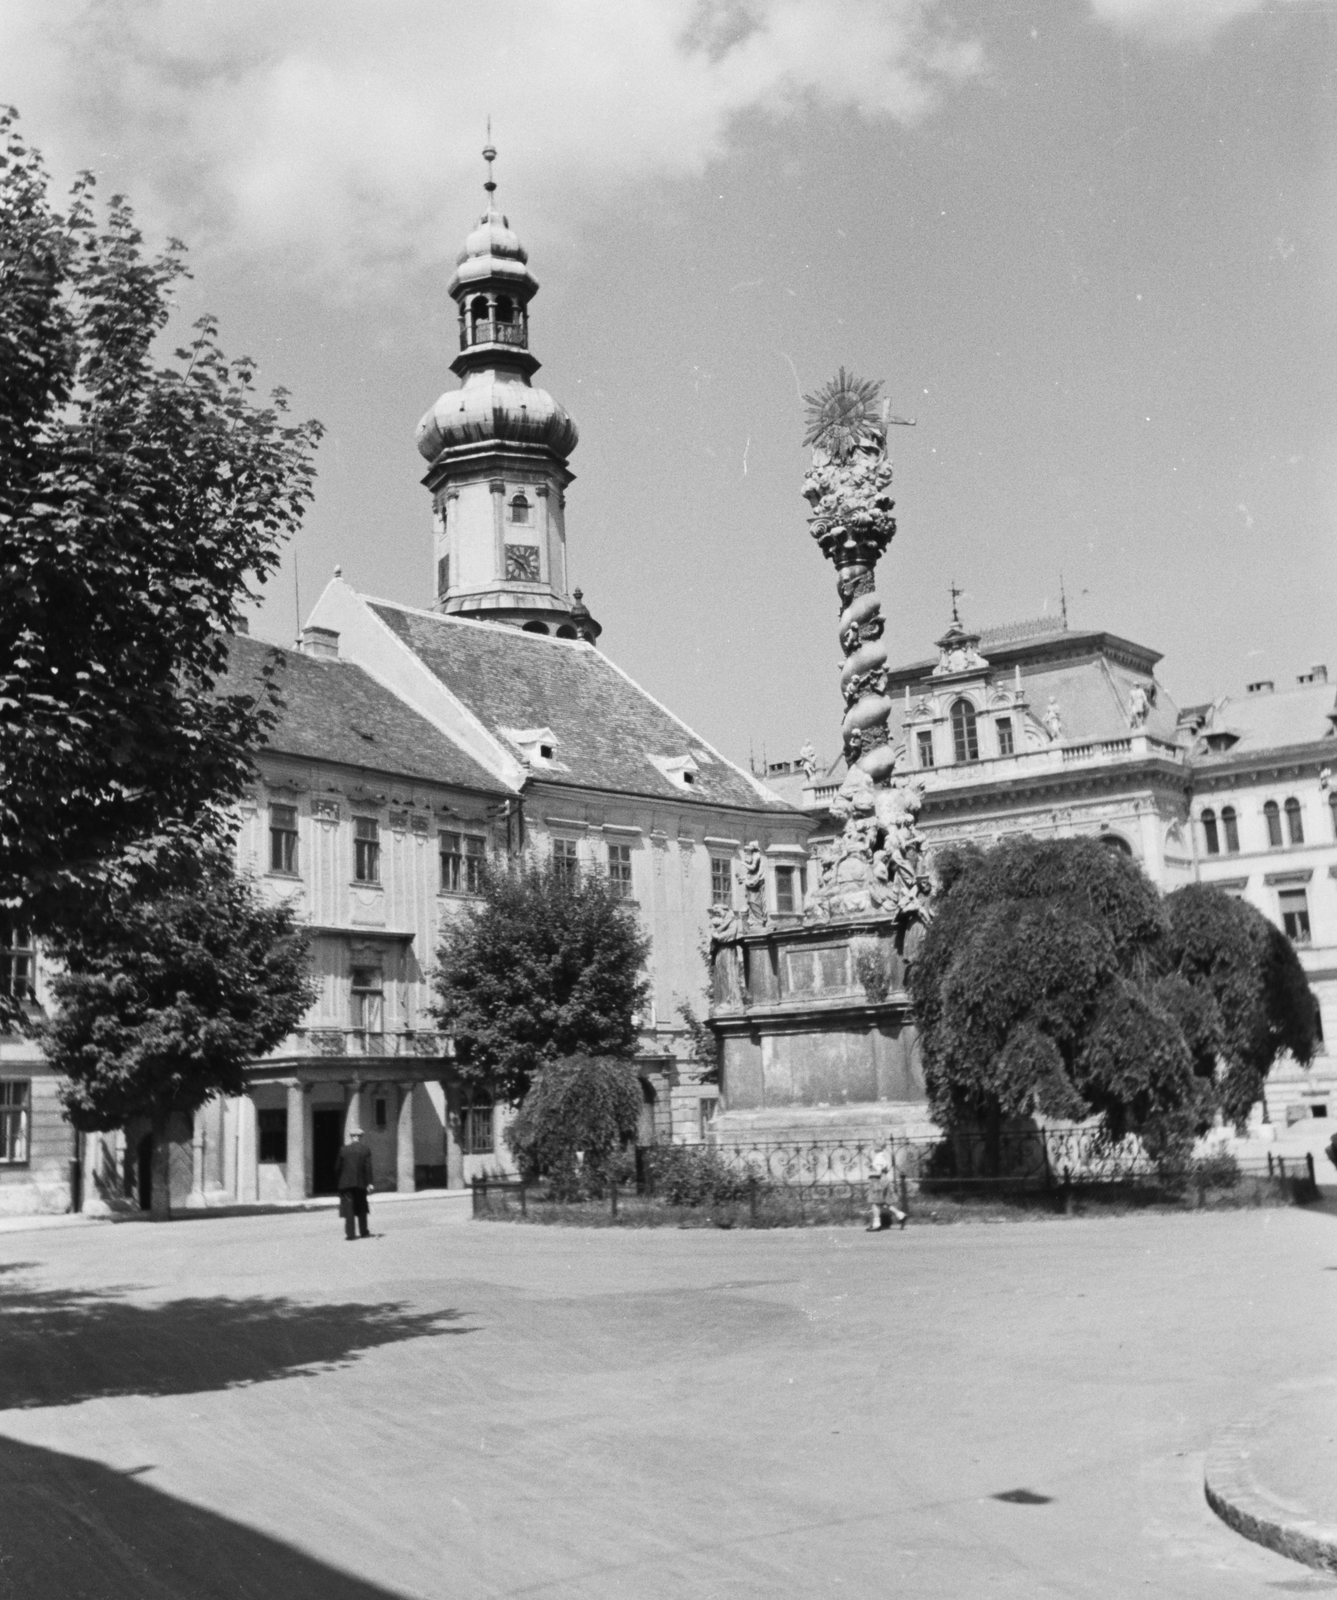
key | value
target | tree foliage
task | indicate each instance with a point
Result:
(577, 1116)
(1255, 998)
(137, 503)
(161, 1001)
(543, 966)
(1055, 981)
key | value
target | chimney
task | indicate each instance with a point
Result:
(1318, 673)
(319, 642)
(1263, 686)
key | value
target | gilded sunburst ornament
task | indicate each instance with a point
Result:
(843, 415)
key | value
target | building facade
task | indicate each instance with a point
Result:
(413, 745)
(1055, 732)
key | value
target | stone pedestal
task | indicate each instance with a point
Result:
(817, 1035)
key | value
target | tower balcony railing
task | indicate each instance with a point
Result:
(493, 333)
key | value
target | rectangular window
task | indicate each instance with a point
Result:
(925, 738)
(786, 900)
(273, 1127)
(1294, 906)
(16, 960)
(14, 1106)
(721, 881)
(619, 870)
(442, 575)
(366, 850)
(368, 999)
(1231, 824)
(1004, 726)
(283, 840)
(566, 859)
(462, 858)
(476, 1136)
(706, 1112)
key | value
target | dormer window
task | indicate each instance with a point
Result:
(545, 752)
(520, 510)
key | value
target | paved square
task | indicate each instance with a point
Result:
(251, 1407)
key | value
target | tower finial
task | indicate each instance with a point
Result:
(956, 595)
(489, 155)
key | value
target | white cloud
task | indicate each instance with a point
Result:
(1177, 21)
(335, 133)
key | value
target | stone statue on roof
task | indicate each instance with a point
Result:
(1053, 720)
(1138, 706)
(807, 760)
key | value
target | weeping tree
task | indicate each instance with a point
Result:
(1055, 981)
(140, 501)
(575, 1121)
(165, 993)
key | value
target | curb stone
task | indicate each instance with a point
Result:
(1235, 1495)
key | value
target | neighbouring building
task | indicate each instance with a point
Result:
(1051, 731)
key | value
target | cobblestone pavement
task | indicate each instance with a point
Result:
(251, 1407)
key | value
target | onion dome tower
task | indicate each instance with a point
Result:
(498, 449)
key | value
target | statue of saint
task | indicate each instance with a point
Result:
(753, 880)
(807, 760)
(1053, 720)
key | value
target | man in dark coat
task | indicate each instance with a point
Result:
(352, 1180)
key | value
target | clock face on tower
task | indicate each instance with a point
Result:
(522, 563)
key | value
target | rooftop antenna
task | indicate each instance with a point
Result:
(1063, 599)
(956, 595)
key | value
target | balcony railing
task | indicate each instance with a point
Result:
(493, 333)
(365, 1042)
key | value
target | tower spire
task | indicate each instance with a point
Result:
(497, 450)
(489, 155)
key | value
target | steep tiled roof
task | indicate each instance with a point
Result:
(609, 733)
(1270, 720)
(333, 711)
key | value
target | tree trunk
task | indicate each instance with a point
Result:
(162, 1169)
(993, 1139)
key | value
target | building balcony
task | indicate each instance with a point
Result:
(513, 333)
(363, 1043)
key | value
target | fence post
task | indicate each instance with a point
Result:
(612, 1195)
(524, 1209)
(473, 1184)
(1044, 1151)
(752, 1197)
(1309, 1162)
(1269, 1163)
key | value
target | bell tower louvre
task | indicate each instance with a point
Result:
(498, 449)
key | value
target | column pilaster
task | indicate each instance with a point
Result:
(299, 1184)
(404, 1141)
(498, 491)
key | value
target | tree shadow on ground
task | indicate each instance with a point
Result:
(58, 1347)
(76, 1529)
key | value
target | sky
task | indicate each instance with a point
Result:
(1090, 246)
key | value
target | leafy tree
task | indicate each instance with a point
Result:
(1054, 980)
(576, 1118)
(138, 501)
(1254, 997)
(1036, 990)
(162, 1001)
(543, 966)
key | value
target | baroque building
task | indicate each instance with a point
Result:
(415, 743)
(1052, 731)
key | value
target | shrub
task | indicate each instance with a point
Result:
(695, 1175)
(574, 1122)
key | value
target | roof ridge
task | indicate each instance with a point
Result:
(508, 628)
(761, 789)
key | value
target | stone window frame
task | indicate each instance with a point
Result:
(15, 1121)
